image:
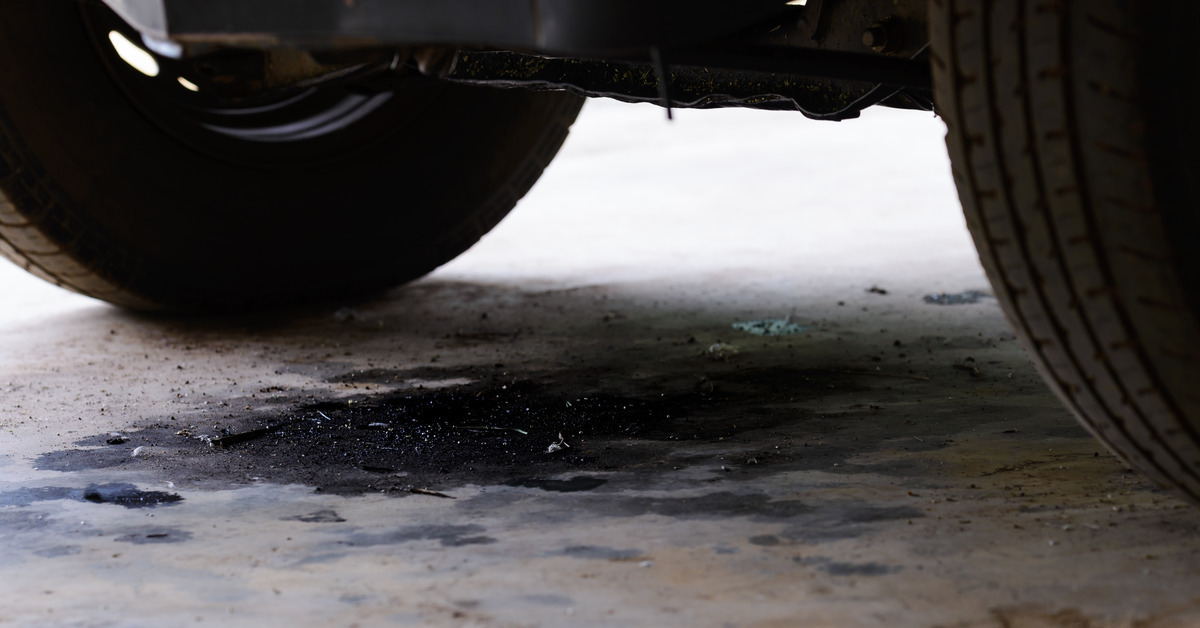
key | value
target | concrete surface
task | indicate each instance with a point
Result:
(895, 464)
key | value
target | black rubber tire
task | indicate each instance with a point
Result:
(1072, 146)
(98, 197)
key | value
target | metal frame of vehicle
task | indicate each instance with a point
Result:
(826, 58)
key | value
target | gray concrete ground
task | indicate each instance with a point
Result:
(563, 427)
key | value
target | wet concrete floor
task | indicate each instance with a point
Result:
(564, 427)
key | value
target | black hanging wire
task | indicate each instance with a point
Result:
(664, 87)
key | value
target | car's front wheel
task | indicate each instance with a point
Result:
(149, 192)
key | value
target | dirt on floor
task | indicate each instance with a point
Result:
(581, 422)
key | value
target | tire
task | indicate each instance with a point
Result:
(1072, 149)
(112, 188)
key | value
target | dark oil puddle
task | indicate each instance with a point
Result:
(499, 430)
(121, 494)
(484, 433)
(441, 437)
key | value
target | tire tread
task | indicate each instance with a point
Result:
(1066, 249)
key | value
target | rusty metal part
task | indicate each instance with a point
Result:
(884, 36)
(841, 25)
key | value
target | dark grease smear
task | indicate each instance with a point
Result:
(58, 550)
(80, 459)
(960, 298)
(548, 599)
(713, 505)
(320, 516)
(595, 552)
(155, 535)
(447, 535)
(574, 485)
(835, 568)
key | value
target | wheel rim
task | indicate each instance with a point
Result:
(288, 128)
